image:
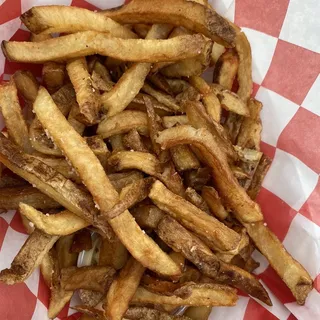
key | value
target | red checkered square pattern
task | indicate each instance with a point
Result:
(285, 73)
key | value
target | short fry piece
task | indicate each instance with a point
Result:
(53, 75)
(26, 84)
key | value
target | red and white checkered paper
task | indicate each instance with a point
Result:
(284, 36)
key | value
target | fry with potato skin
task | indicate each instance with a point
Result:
(122, 290)
(216, 233)
(11, 111)
(53, 75)
(67, 19)
(85, 162)
(86, 43)
(183, 13)
(132, 140)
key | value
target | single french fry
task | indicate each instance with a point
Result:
(27, 85)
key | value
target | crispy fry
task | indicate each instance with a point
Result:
(11, 111)
(181, 240)
(171, 121)
(90, 42)
(132, 140)
(291, 271)
(136, 313)
(28, 258)
(197, 200)
(96, 278)
(231, 192)
(87, 96)
(120, 180)
(245, 67)
(202, 294)
(123, 289)
(198, 313)
(184, 158)
(211, 196)
(11, 197)
(122, 123)
(148, 216)
(99, 148)
(217, 51)
(46, 268)
(60, 224)
(188, 14)
(56, 19)
(226, 68)
(53, 75)
(217, 234)
(27, 85)
(101, 188)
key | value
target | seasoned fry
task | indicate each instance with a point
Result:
(228, 187)
(87, 165)
(29, 257)
(197, 200)
(11, 111)
(211, 196)
(217, 234)
(27, 85)
(60, 224)
(123, 289)
(96, 278)
(53, 75)
(183, 13)
(181, 240)
(137, 313)
(202, 295)
(122, 123)
(226, 68)
(90, 42)
(87, 96)
(11, 197)
(171, 121)
(56, 19)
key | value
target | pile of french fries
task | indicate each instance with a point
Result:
(135, 178)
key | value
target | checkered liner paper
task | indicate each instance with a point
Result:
(284, 36)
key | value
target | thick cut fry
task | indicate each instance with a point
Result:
(148, 216)
(183, 13)
(88, 97)
(67, 19)
(96, 278)
(202, 295)
(132, 140)
(88, 166)
(11, 197)
(53, 75)
(198, 313)
(122, 123)
(228, 187)
(171, 121)
(26, 84)
(226, 68)
(197, 200)
(211, 196)
(59, 224)
(245, 67)
(122, 290)
(90, 42)
(184, 158)
(11, 111)
(291, 271)
(181, 240)
(137, 313)
(216, 233)
(29, 257)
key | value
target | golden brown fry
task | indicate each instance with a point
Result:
(183, 13)
(122, 290)
(226, 68)
(181, 240)
(73, 117)
(291, 271)
(160, 82)
(11, 197)
(198, 313)
(29, 257)
(258, 176)
(27, 85)
(245, 67)
(53, 75)
(60, 224)
(132, 140)
(217, 234)
(67, 19)
(197, 179)
(171, 121)
(120, 180)
(202, 295)
(87, 96)
(101, 77)
(14, 121)
(228, 187)
(184, 158)
(197, 200)
(217, 51)
(96, 278)
(105, 196)
(122, 123)
(90, 42)
(211, 196)
(250, 131)
(90, 298)
(112, 253)
(148, 216)
(99, 148)
(46, 268)
(232, 126)
(137, 313)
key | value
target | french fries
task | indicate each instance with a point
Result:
(27, 85)
(53, 75)
(85, 43)
(136, 313)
